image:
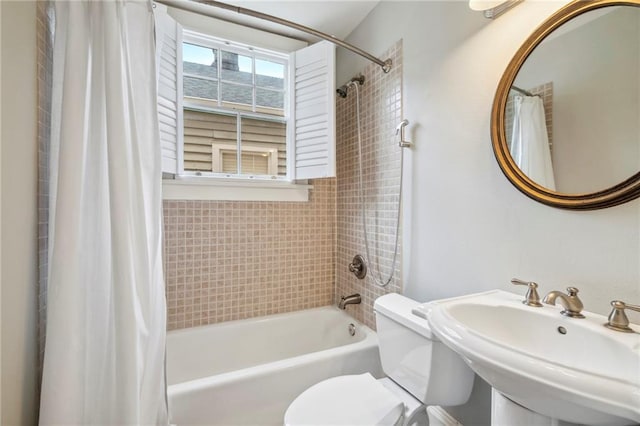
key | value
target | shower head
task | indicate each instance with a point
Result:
(344, 89)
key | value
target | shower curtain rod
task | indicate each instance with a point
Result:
(524, 92)
(191, 6)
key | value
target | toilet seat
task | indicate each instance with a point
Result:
(345, 400)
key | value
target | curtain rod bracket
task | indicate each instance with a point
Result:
(386, 67)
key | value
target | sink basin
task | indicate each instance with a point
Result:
(568, 369)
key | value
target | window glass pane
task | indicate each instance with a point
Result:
(269, 98)
(237, 94)
(205, 135)
(265, 139)
(199, 61)
(237, 68)
(229, 161)
(253, 163)
(269, 74)
(200, 88)
(210, 138)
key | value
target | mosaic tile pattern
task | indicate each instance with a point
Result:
(44, 32)
(381, 111)
(233, 260)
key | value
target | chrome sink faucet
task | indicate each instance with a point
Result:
(353, 299)
(570, 302)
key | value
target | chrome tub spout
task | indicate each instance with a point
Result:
(353, 299)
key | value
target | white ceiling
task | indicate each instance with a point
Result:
(334, 17)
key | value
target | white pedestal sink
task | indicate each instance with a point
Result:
(570, 369)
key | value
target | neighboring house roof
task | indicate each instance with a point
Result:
(202, 88)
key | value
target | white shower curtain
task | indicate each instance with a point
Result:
(105, 340)
(530, 143)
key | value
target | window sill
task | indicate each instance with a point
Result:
(233, 190)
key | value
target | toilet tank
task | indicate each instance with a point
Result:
(415, 359)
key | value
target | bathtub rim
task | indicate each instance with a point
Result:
(369, 340)
(260, 319)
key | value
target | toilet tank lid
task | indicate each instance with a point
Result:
(398, 308)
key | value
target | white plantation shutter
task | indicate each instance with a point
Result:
(313, 112)
(169, 56)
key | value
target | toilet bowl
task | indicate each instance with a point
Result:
(346, 400)
(420, 371)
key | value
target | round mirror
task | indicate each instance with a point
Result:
(566, 117)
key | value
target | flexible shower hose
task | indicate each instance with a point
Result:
(376, 273)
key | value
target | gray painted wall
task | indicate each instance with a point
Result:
(467, 229)
(19, 214)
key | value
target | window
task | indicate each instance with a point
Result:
(234, 101)
(258, 161)
(237, 115)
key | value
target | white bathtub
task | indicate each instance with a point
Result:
(248, 372)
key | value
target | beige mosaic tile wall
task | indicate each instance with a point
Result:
(44, 31)
(381, 111)
(234, 260)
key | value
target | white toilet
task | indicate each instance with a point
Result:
(420, 371)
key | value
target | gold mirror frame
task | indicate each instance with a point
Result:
(625, 191)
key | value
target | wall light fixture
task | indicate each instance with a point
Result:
(492, 8)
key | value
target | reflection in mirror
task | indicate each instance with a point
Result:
(572, 118)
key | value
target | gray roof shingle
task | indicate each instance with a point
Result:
(203, 88)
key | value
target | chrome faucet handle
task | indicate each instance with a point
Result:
(358, 267)
(532, 298)
(618, 320)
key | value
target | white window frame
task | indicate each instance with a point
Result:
(239, 114)
(217, 149)
(218, 107)
(198, 188)
(194, 185)
(198, 39)
(299, 66)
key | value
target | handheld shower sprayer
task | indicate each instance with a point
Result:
(402, 125)
(400, 129)
(344, 89)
